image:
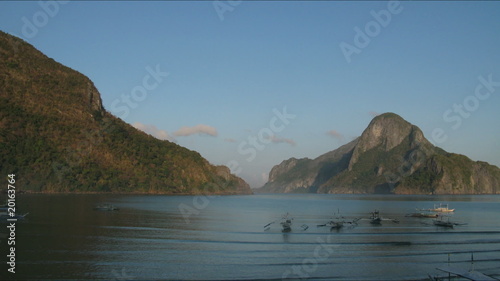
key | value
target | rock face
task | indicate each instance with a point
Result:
(391, 156)
(57, 137)
(240, 186)
(386, 132)
(94, 98)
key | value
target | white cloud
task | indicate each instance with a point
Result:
(336, 135)
(198, 129)
(153, 131)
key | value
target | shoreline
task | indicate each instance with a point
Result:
(21, 192)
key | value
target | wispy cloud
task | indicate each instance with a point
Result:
(373, 114)
(336, 135)
(230, 140)
(198, 129)
(153, 130)
(276, 139)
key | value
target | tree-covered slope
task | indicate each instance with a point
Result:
(391, 156)
(56, 136)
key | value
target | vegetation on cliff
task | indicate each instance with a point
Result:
(391, 156)
(56, 136)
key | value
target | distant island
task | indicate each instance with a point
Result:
(57, 137)
(391, 156)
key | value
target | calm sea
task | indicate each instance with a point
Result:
(223, 238)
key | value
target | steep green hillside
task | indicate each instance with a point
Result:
(56, 136)
(391, 156)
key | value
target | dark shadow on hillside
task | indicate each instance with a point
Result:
(330, 170)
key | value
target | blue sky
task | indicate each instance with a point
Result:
(226, 71)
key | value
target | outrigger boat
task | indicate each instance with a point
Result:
(286, 224)
(376, 219)
(339, 222)
(5, 216)
(445, 223)
(334, 224)
(422, 215)
(441, 209)
(106, 207)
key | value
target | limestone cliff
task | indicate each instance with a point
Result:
(390, 156)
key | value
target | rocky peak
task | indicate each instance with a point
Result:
(391, 156)
(386, 131)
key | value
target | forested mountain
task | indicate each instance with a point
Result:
(56, 136)
(391, 156)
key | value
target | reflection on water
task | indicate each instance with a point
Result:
(150, 238)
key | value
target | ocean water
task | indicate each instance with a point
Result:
(223, 238)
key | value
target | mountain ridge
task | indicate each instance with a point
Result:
(391, 156)
(56, 136)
